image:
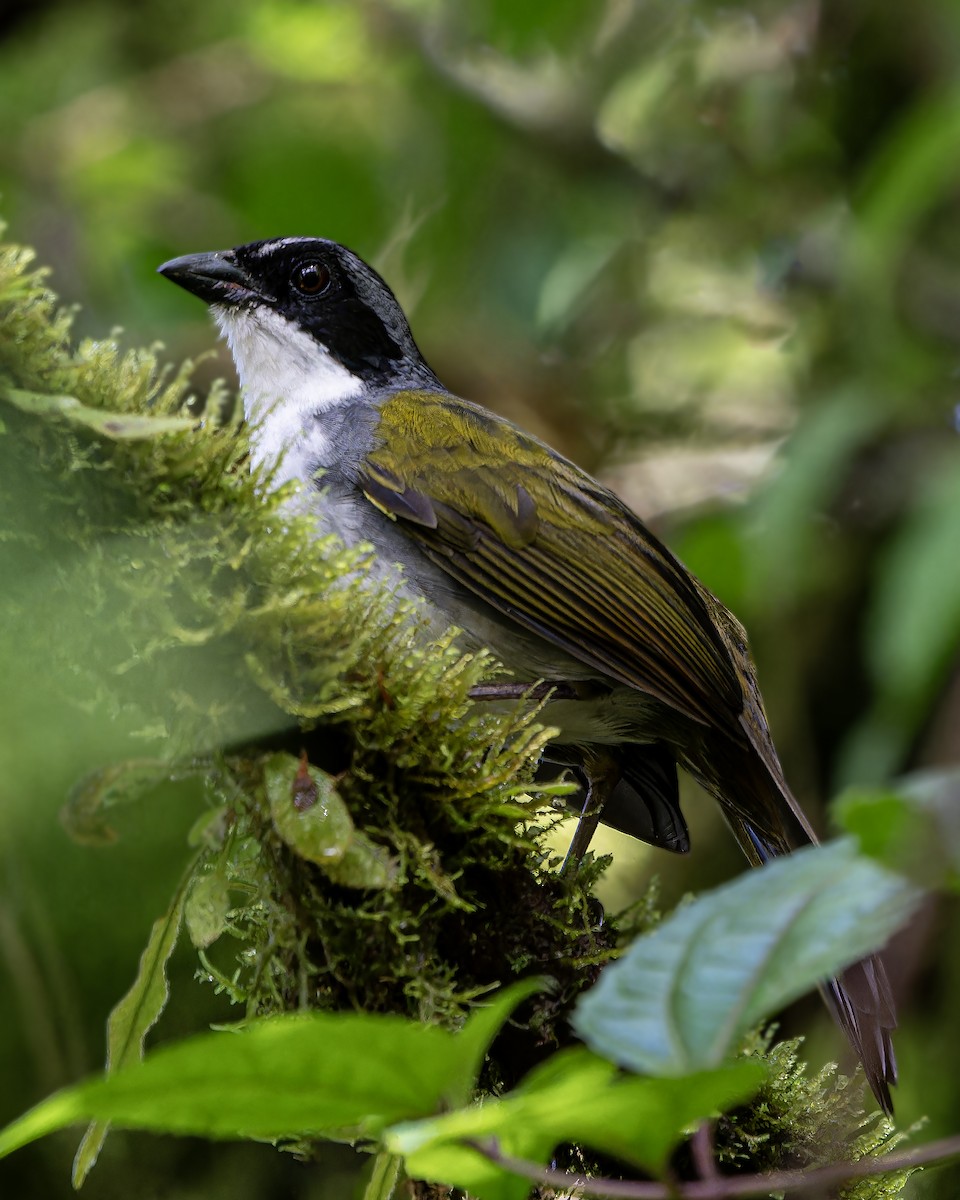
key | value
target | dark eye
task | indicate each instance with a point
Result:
(310, 278)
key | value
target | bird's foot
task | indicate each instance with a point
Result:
(602, 772)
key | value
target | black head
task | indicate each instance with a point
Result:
(320, 287)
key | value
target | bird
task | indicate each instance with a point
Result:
(641, 668)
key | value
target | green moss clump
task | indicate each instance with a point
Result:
(161, 582)
(800, 1120)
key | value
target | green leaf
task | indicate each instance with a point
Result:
(566, 286)
(681, 997)
(307, 809)
(385, 1173)
(783, 561)
(473, 1040)
(313, 820)
(914, 625)
(135, 1015)
(912, 826)
(207, 908)
(906, 178)
(574, 1097)
(286, 1076)
(84, 816)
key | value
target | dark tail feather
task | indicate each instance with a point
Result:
(860, 999)
(862, 1005)
(645, 803)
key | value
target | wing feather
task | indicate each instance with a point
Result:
(551, 549)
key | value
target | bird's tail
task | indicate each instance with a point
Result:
(860, 998)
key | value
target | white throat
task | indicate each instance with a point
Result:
(287, 378)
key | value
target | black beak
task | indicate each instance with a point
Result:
(215, 277)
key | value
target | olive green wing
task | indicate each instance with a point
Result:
(549, 548)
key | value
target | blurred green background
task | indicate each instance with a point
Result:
(711, 252)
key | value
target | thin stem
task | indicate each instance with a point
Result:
(701, 1146)
(723, 1187)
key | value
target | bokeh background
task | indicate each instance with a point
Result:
(711, 252)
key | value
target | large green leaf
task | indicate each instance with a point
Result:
(286, 1076)
(574, 1097)
(682, 996)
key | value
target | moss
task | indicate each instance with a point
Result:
(802, 1120)
(161, 581)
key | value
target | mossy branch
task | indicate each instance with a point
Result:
(158, 577)
(157, 580)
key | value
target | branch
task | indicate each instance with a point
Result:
(721, 1187)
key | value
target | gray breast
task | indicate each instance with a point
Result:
(333, 454)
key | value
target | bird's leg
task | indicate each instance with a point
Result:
(602, 772)
(600, 768)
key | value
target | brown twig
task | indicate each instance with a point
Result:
(722, 1187)
(701, 1147)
